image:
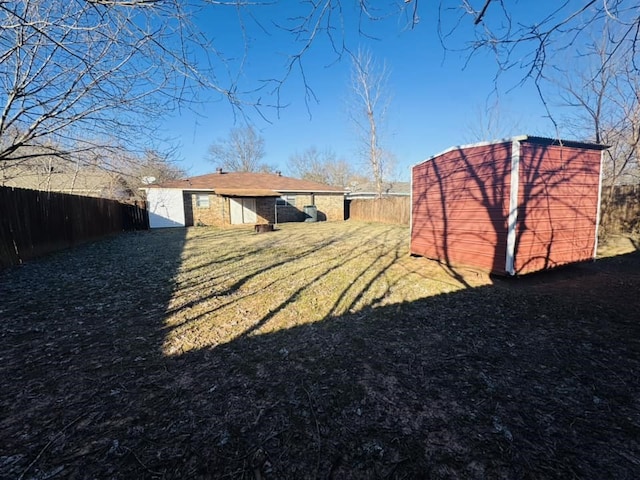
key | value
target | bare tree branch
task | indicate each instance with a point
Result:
(241, 151)
(86, 73)
(603, 94)
(482, 12)
(125, 3)
(322, 166)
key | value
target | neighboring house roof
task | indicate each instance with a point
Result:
(239, 183)
(96, 184)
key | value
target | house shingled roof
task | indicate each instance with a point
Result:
(246, 192)
(247, 181)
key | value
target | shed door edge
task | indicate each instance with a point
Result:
(513, 208)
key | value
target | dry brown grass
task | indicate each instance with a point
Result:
(236, 283)
(317, 351)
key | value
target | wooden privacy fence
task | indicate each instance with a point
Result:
(620, 209)
(385, 210)
(33, 222)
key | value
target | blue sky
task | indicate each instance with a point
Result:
(435, 98)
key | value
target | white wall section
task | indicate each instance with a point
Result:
(166, 207)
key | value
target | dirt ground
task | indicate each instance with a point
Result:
(318, 351)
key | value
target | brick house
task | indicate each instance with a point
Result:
(236, 198)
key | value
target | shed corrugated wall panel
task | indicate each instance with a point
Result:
(459, 213)
(557, 206)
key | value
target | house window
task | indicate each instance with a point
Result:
(202, 200)
(286, 200)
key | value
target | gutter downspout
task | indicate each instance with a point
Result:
(513, 207)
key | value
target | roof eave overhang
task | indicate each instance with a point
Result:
(279, 190)
(335, 192)
(247, 192)
(384, 194)
(195, 189)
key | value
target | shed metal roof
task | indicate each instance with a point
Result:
(522, 138)
(561, 142)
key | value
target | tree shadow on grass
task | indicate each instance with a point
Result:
(491, 382)
(482, 383)
(316, 274)
(78, 329)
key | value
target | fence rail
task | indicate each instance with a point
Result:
(33, 223)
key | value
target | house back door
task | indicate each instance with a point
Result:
(243, 210)
(249, 210)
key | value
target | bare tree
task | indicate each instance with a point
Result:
(157, 168)
(518, 36)
(241, 151)
(527, 39)
(321, 166)
(81, 75)
(98, 74)
(151, 166)
(491, 122)
(603, 95)
(368, 113)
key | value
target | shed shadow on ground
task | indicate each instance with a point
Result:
(513, 380)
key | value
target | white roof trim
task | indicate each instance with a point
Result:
(519, 138)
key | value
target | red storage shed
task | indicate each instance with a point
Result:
(511, 206)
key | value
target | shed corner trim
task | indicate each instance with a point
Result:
(411, 208)
(513, 207)
(599, 207)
